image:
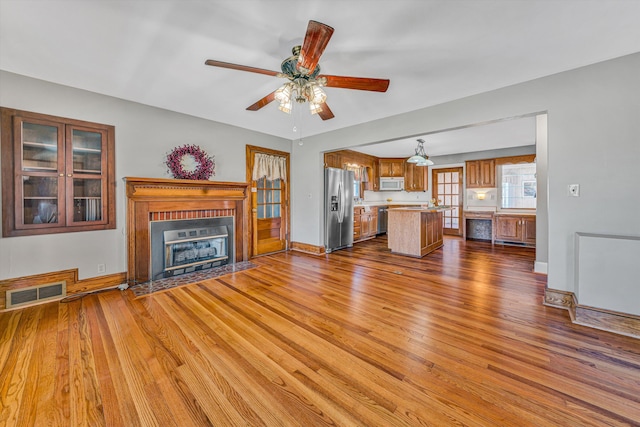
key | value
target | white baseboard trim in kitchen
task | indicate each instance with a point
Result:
(540, 267)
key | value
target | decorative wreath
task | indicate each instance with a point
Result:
(205, 165)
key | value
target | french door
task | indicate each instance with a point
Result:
(447, 189)
(269, 225)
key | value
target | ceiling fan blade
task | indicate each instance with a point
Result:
(359, 83)
(241, 67)
(261, 103)
(315, 41)
(326, 112)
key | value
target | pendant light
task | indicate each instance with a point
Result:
(420, 158)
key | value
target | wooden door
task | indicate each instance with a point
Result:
(269, 225)
(447, 189)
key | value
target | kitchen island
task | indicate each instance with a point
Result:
(415, 231)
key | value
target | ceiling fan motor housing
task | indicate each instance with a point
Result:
(289, 67)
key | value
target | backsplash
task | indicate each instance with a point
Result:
(482, 197)
(397, 196)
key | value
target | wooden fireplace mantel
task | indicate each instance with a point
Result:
(158, 199)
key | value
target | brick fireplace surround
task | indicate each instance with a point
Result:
(155, 199)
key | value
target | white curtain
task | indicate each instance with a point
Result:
(359, 172)
(271, 167)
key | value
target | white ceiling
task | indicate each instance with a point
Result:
(433, 51)
(491, 136)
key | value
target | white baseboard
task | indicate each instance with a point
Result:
(540, 267)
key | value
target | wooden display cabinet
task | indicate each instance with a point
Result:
(57, 174)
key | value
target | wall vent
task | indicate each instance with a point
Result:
(34, 294)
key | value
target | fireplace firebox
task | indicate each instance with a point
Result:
(184, 246)
(194, 249)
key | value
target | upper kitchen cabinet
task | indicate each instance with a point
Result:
(481, 173)
(332, 160)
(58, 174)
(415, 178)
(391, 167)
(374, 177)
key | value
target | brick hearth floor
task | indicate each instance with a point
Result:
(188, 278)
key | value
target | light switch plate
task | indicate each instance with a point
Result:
(574, 190)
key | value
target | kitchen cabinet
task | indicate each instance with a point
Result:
(480, 173)
(514, 228)
(332, 160)
(415, 178)
(58, 174)
(391, 167)
(365, 223)
(374, 178)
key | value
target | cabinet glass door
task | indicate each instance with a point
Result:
(84, 167)
(86, 147)
(40, 161)
(40, 200)
(87, 200)
(39, 147)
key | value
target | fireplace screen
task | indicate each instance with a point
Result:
(194, 249)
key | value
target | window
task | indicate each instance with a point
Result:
(517, 186)
(269, 198)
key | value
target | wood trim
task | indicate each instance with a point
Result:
(74, 286)
(598, 318)
(146, 196)
(525, 158)
(307, 248)
(559, 299)
(607, 320)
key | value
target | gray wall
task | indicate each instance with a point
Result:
(593, 140)
(144, 135)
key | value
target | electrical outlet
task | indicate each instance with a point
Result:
(574, 190)
(102, 268)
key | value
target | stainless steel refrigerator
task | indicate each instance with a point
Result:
(338, 209)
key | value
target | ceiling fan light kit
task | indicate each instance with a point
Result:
(305, 82)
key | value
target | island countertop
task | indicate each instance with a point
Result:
(415, 231)
(421, 208)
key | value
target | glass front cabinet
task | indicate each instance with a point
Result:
(57, 174)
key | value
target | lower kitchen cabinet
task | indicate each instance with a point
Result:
(519, 229)
(365, 223)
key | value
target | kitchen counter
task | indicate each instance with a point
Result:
(390, 204)
(415, 231)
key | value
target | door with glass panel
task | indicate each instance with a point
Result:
(447, 189)
(269, 226)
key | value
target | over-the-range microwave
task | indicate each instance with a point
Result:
(388, 183)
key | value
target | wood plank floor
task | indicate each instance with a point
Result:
(359, 337)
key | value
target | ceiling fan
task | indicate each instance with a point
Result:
(303, 72)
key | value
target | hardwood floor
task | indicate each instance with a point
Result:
(357, 337)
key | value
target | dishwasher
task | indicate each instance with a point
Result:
(382, 219)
